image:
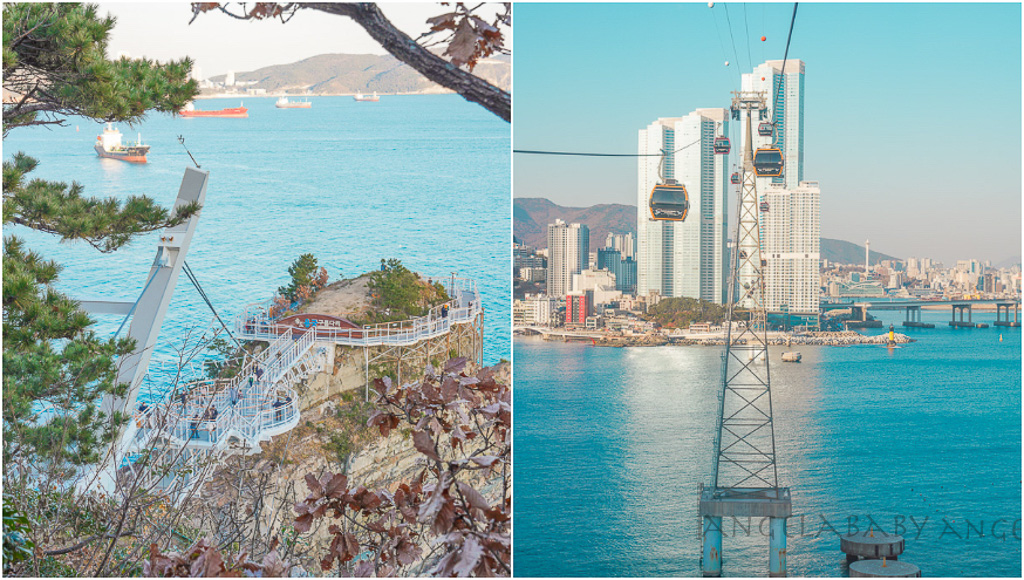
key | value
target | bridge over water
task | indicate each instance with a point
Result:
(859, 311)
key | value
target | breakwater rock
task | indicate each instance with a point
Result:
(641, 340)
(845, 338)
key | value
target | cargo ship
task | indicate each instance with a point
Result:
(235, 113)
(284, 103)
(109, 145)
(372, 99)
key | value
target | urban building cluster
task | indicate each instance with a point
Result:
(229, 86)
(569, 283)
(921, 278)
(691, 258)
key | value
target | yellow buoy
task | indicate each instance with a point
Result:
(1000, 338)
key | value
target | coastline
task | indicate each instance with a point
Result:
(844, 338)
(279, 94)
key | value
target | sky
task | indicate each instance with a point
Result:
(219, 43)
(912, 111)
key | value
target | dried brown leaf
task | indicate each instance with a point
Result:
(424, 444)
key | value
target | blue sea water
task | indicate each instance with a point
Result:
(422, 178)
(611, 445)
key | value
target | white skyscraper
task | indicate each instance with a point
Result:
(791, 232)
(624, 244)
(780, 231)
(568, 254)
(684, 259)
(229, 79)
(787, 113)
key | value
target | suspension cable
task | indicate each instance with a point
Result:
(132, 309)
(785, 56)
(202, 293)
(732, 39)
(578, 154)
(746, 28)
(721, 44)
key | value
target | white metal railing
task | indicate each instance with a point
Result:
(256, 323)
(251, 407)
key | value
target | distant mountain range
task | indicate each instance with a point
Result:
(359, 73)
(531, 216)
(1009, 262)
(843, 252)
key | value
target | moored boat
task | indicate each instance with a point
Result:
(109, 145)
(238, 112)
(367, 98)
(284, 103)
(791, 356)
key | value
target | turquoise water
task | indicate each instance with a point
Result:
(611, 445)
(421, 178)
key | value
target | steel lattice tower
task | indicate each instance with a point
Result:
(745, 481)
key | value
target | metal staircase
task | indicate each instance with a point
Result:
(211, 418)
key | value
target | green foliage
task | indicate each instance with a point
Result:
(303, 271)
(59, 209)
(399, 294)
(51, 356)
(228, 358)
(17, 546)
(681, 312)
(55, 56)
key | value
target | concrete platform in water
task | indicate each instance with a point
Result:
(871, 545)
(912, 324)
(883, 569)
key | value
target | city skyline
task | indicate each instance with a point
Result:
(882, 76)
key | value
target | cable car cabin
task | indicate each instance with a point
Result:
(768, 162)
(764, 129)
(764, 206)
(669, 202)
(735, 179)
(722, 145)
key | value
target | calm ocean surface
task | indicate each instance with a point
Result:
(421, 178)
(611, 445)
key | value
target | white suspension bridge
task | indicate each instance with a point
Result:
(172, 445)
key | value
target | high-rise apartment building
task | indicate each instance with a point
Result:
(624, 243)
(685, 258)
(568, 254)
(791, 231)
(784, 95)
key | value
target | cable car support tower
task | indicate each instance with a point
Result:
(745, 481)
